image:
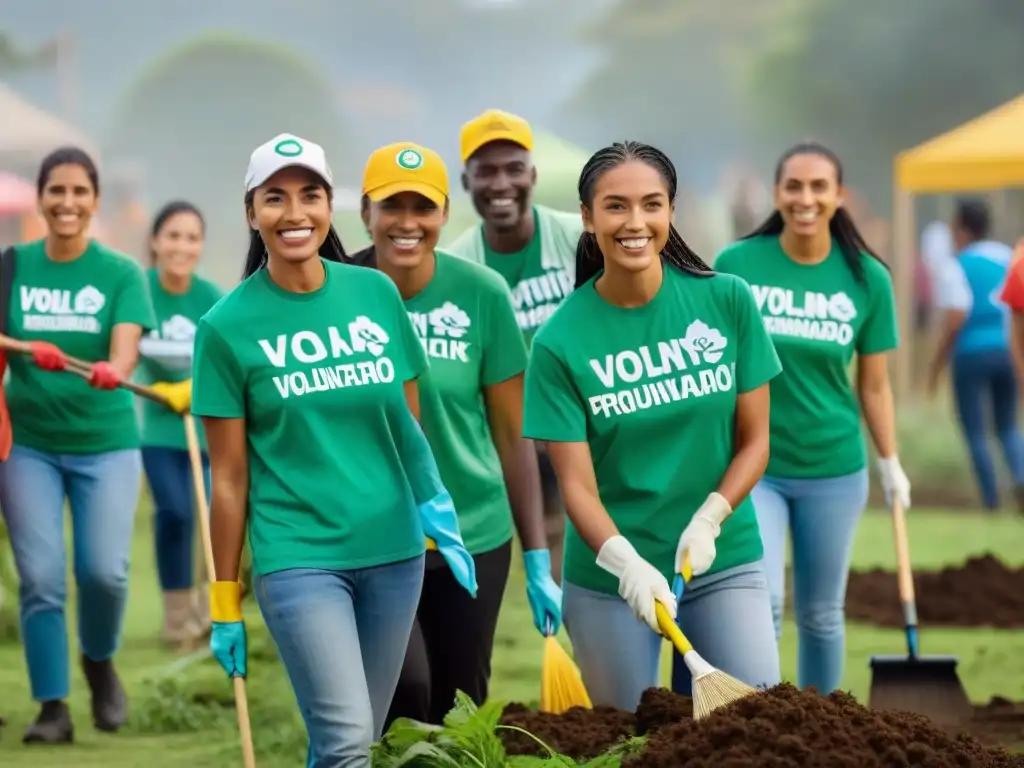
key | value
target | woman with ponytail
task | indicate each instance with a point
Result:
(824, 297)
(650, 386)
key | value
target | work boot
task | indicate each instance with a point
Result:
(200, 606)
(109, 701)
(180, 627)
(51, 726)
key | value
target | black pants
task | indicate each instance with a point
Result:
(554, 515)
(452, 639)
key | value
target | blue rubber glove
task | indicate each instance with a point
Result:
(441, 524)
(544, 595)
(227, 641)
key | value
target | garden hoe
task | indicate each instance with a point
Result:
(926, 685)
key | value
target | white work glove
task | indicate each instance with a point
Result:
(699, 536)
(640, 583)
(894, 480)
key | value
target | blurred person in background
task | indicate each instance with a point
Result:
(180, 298)
(974, 338)
(471, 401)
(1013, 297)
(825, 298)
(305, 375)
(75, 439)
(533, 247)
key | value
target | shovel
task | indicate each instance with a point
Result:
(926, 685)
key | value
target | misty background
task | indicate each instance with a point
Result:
(173, 96)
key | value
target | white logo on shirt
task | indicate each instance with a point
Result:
(177, 328)
(537, 298)
(56, 309)
(667, 372)
(812, 315)
(441, 332)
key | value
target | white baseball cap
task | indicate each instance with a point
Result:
(286, 151)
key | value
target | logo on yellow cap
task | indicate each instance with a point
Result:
(288, 148)
(409, 159)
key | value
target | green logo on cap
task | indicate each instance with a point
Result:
(409, 159)
(288, 148)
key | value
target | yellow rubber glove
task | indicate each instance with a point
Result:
(431, 544)
(177, 394)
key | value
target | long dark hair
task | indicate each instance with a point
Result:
(589, 259)
(256, 258)
(169, 210)
(68, 156)
(849, 239)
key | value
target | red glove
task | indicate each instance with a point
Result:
(48, 356)
(103, 376)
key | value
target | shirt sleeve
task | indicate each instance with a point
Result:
(952, 291)
(504, 352)
(1013, 290)
(132, 301)
(417, 457)
(553, 407)
(218, 383)
(412, 360)
(880, 330)
(757, 362)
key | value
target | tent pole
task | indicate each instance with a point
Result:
(904, 256)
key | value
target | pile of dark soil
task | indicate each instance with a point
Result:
(983, 592)
(779, 727)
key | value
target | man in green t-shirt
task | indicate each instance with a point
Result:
(533, 247)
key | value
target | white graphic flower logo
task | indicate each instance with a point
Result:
(841, 307)
(703, 340)
(367, 335)
(178, 328)
(89, 301)
(449, 320)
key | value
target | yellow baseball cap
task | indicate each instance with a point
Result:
(405, 167)
(494, 125)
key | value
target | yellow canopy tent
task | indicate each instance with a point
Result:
(986, 153)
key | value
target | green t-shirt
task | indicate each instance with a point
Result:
(818, 316)
(74, 305)
(318, 379)
(465, 321)
(166, 355)
(652, 390)
(536, 292)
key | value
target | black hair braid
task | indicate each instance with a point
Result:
(332, 248)
(842, 228)
(164, 215)
(589, 260)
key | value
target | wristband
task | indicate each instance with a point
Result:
(225, 602)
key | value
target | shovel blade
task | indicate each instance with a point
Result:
(927, 686)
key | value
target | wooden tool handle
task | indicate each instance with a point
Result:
(904, 574)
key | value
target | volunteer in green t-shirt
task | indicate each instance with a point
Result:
(180, 298)
(650, 384)
(472, 413)
(532, 246)
(305, 375)
(824, 297)
(74, 440)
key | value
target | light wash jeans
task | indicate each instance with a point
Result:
(342, 637)
(103, 492)
(727, 616)
(821, 516)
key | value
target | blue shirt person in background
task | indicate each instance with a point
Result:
(974, 334)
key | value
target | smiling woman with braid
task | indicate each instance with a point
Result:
(650, 386)
(825, 297)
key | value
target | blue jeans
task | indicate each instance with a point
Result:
(169, 473)
(821, 516)
(342, 637)
(727, 616)
(986, 380)
(103, 492)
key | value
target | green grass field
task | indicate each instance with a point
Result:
(992, 662)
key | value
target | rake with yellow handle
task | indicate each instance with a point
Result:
(712, 688)
(82, 368)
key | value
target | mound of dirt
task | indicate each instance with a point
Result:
(983, 592)
(779, 727)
